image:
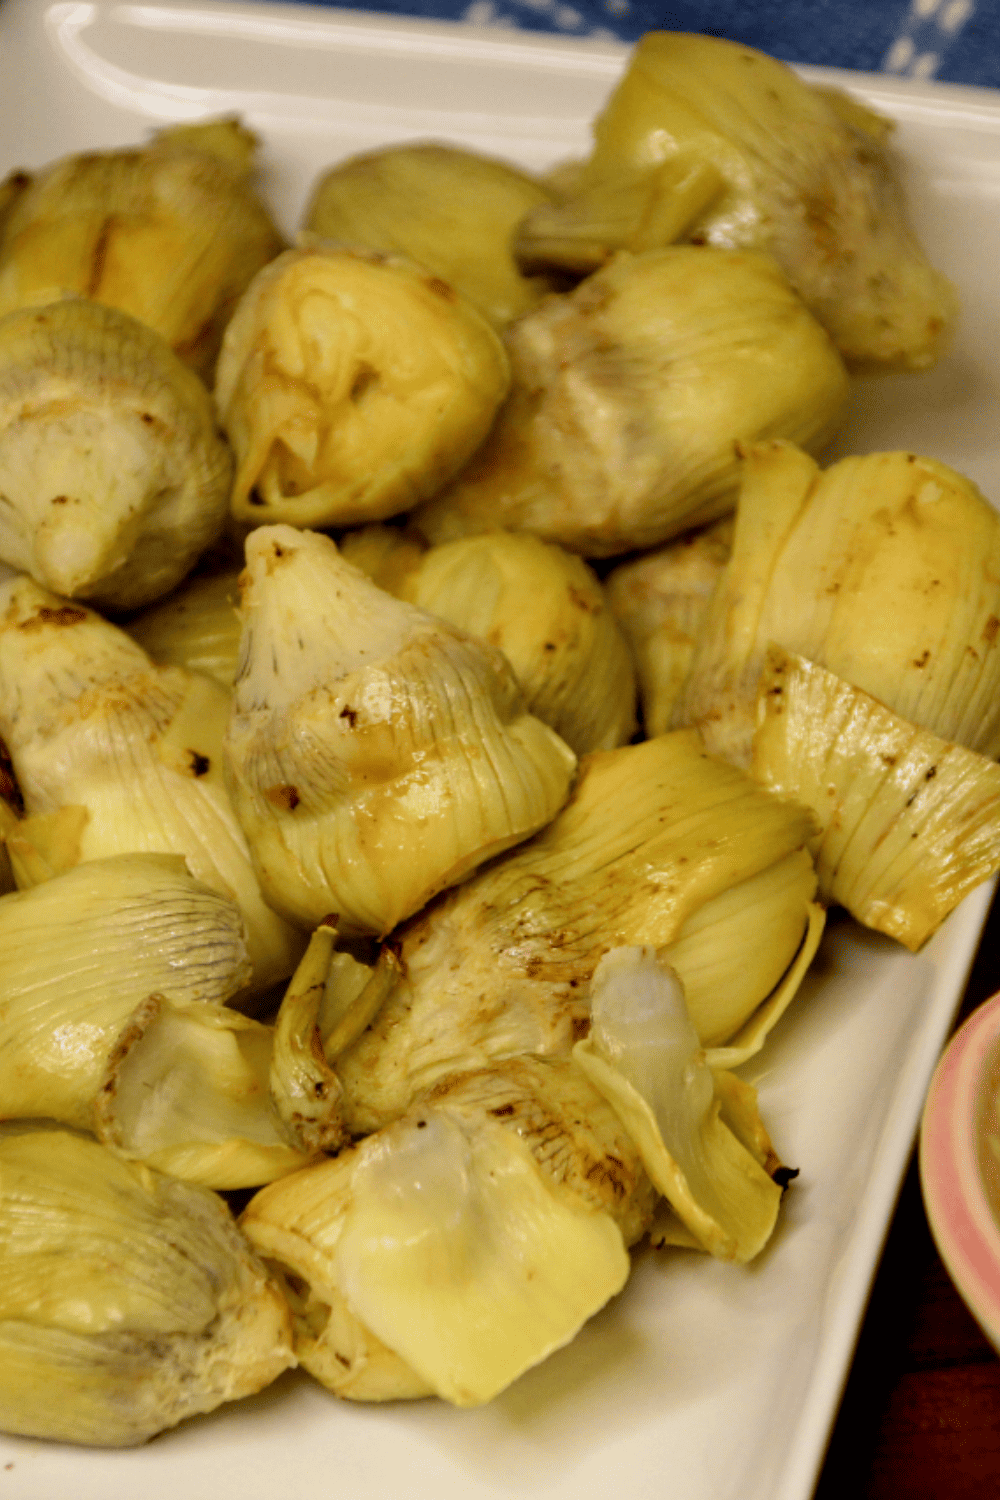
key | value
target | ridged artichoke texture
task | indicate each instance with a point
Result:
(376, 754)
(197, 626)
(114, 755)
(660, 845)
(352, 385)
(458, 1247)
(114, 475)
(711, 141)
(885, 569)
(128, 1301)
(628, 397)
(542, 606)
(661, 600)
(452, 211)
(81, 951)
(909, 823)
(171, 233)
(644, 1056)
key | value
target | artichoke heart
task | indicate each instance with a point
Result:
(197, 627)
(352, 385)
(128, 1301)
(186, 1091)
(659, 845)
(629, 394)
(542, 606)
(909, 823)
(171, 234)
(114, 756)
(884, 569)
(643, 1055)
(446, 208)
(81, 951)
(661, 601)
(445, 1240)
(113, 474)
(376, 754)
(710, 140)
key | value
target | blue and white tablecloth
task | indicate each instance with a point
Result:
(955, 40)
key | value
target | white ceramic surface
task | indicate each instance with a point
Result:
(701, 1382)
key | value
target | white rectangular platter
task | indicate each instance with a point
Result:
(701, 1382)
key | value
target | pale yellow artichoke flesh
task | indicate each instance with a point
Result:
(800, 173)
(629, 395)
(124, 757)
(540, 605)
(352, 385)
(114, 474)
(499, 968)
(450, 210)
(128, 1301)
(197, 627)
(171, 234)
(376, 754)
(81, 951)
(909, 822)
(643, 1054)
(661, 600)
(885, 569)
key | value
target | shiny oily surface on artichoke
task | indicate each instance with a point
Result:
(128, 1301)
(709, 140)
(114, 475)
(885, 569)
(171, 233)
(451, 210)
(114, 755)
(376, 754)
(352, 385)
(541, 606)
(630, 393)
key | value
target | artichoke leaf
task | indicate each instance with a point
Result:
(910, 823)
(643, 1054)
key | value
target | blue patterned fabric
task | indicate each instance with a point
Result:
(955, 40)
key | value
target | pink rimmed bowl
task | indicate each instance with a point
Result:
(960, 1163)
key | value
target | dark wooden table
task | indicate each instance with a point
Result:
(920, 1418)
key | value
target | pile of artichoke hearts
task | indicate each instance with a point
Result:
(441, 694)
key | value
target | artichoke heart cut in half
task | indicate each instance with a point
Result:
(128, 1301)
(711, 141)
(79, 952)
(114, 755)
(171, 234)
(352, 385)
(440, 1256)
(909, 823)
(661, 600)
(450, 210)
(629, 395)
(643, 1054)
(376, 754)
(113, 475)
(884, 569)
(659, 845)
(542, 606)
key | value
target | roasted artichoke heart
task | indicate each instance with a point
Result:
(630, 394)
(172, 234)
(710, 140)
(376, 754)
(113, 473)
(450, 210)
(352, 385)
(128, 1301)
